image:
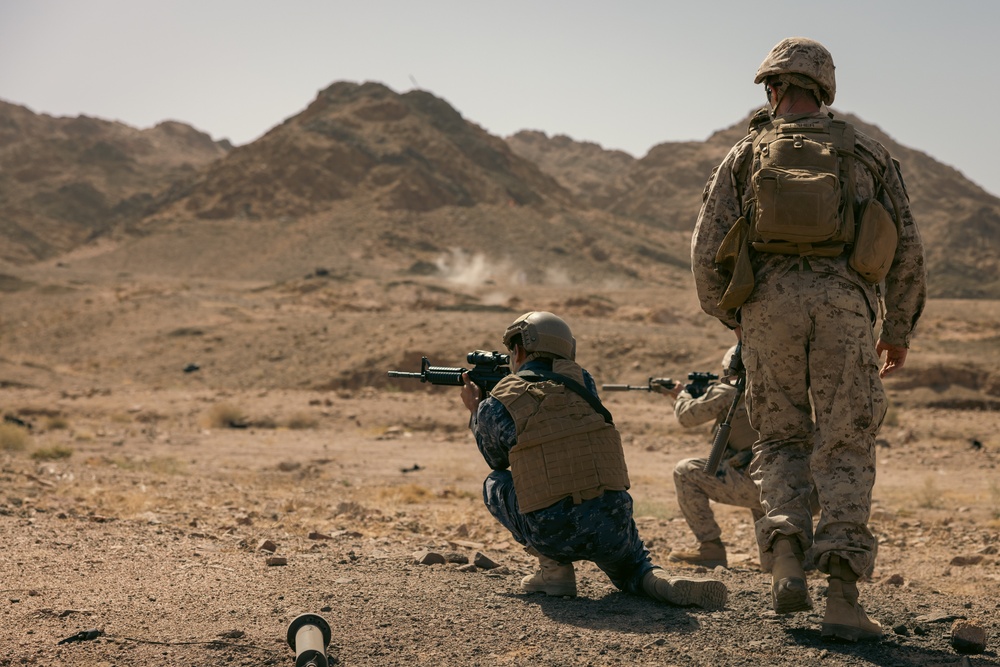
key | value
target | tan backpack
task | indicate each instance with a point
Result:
(802, 199)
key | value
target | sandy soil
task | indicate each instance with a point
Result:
(138, 502)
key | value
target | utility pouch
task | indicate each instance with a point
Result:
(875, 244)
(797, 188)
(732, 260)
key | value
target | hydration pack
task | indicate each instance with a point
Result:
(801, 187)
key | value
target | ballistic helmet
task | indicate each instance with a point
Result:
(543, 332)
(807, 57)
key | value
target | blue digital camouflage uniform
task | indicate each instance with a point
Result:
(600, 530)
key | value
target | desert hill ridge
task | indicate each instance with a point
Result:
(959, 221)
(364, 232)
(65, 181)
(404, 179)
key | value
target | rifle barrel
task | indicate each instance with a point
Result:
(625, 387)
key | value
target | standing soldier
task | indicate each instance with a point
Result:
(804, 226)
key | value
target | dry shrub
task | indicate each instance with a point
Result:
(660, 511)
(225, 415)
(407, 494)
(52, 453)
(166, 465)
(13, 438)
(266, 421)
(302, 420)
(891, 417)
(57, 423)
(995, 499)
(929, 497)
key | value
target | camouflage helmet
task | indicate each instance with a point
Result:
(800, 55)
(543, 332)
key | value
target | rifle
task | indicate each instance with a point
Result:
(698, 384)
(488, 368)
(737, 370)
(666, 383)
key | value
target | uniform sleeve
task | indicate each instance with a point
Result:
(719, 211)
(906, 282)
(708, 407)
(495, 433)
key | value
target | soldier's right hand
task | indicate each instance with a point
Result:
(895, 357)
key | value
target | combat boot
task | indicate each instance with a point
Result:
(685, 592)
(789, 590)
(844, 617)
(708, 554)
(552, 578)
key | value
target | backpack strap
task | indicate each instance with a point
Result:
(898, 218)
(842, 134)
(759, 125)
(571, 384)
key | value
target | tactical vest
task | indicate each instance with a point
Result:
(801, 187)
(564, 447)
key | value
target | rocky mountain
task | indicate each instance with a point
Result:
(64, 181)
(410, 152)
(370, 181)
(959, 221)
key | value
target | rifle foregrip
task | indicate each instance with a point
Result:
(443, 375)
(718, 449)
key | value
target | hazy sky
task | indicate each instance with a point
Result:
(623, 74)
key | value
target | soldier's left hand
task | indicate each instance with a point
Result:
(895, 357)
(471, 394)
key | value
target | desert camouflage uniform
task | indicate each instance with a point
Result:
(732, 484)
(600, 530)
(807, 332)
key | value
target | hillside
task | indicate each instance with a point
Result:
(65, 181)
(370, 181)
(959, 221)
(376, 183)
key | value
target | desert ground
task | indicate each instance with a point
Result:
(187, 465)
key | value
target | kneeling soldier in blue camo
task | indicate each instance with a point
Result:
(565, 494)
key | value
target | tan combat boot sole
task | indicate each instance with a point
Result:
(685, 592)
(850, 632)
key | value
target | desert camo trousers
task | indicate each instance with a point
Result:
(695, 488)
(809, 336)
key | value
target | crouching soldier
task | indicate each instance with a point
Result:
(559, 481)
(730, 485)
